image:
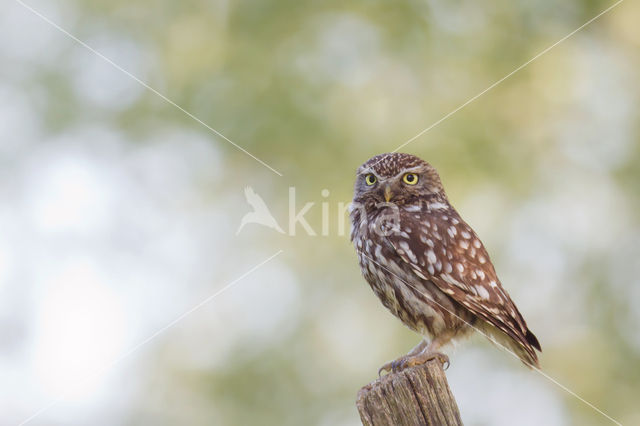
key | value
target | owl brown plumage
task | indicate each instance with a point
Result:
(427, 266)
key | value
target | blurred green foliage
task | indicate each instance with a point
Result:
(314, 88)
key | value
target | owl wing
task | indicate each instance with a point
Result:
(443, 249)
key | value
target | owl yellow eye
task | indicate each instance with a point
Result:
(410, 178)
(370, 179)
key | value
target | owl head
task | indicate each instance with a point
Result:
(401, 179)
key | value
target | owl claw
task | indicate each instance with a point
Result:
(407, 361)
(423, 358)
(444, 360)
(386, 368)
(393, 366)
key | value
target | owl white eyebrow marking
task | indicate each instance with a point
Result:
(369, 171)
(408, 170)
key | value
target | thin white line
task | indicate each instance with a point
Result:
(561, 386)
(154, 335)
(118, 67)
(507, 76)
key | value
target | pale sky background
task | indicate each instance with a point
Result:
(118, 213)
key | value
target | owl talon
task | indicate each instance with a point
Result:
(444, 359)
(386, 368)
(394, 366)
(398, 364)
(423, 358)
(445, 363)
(408, 361)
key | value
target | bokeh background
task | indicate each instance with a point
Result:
(118, 212)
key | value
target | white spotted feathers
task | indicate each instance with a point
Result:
(427, 266)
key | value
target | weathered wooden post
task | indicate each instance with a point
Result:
(416, 396)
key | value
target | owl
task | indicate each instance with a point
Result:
(426, 265)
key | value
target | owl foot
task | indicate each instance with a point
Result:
(413, 360)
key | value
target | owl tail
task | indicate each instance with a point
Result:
(526, 350)
(524, 347)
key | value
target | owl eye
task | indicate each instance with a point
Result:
(410, 178)
(370, 179)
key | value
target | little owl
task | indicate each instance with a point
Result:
(427, 266)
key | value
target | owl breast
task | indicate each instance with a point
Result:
(417, 302)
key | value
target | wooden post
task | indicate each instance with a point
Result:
(416, 396)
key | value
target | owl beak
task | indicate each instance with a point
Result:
(387, 193)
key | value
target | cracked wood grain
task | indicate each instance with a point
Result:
(416, 396)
